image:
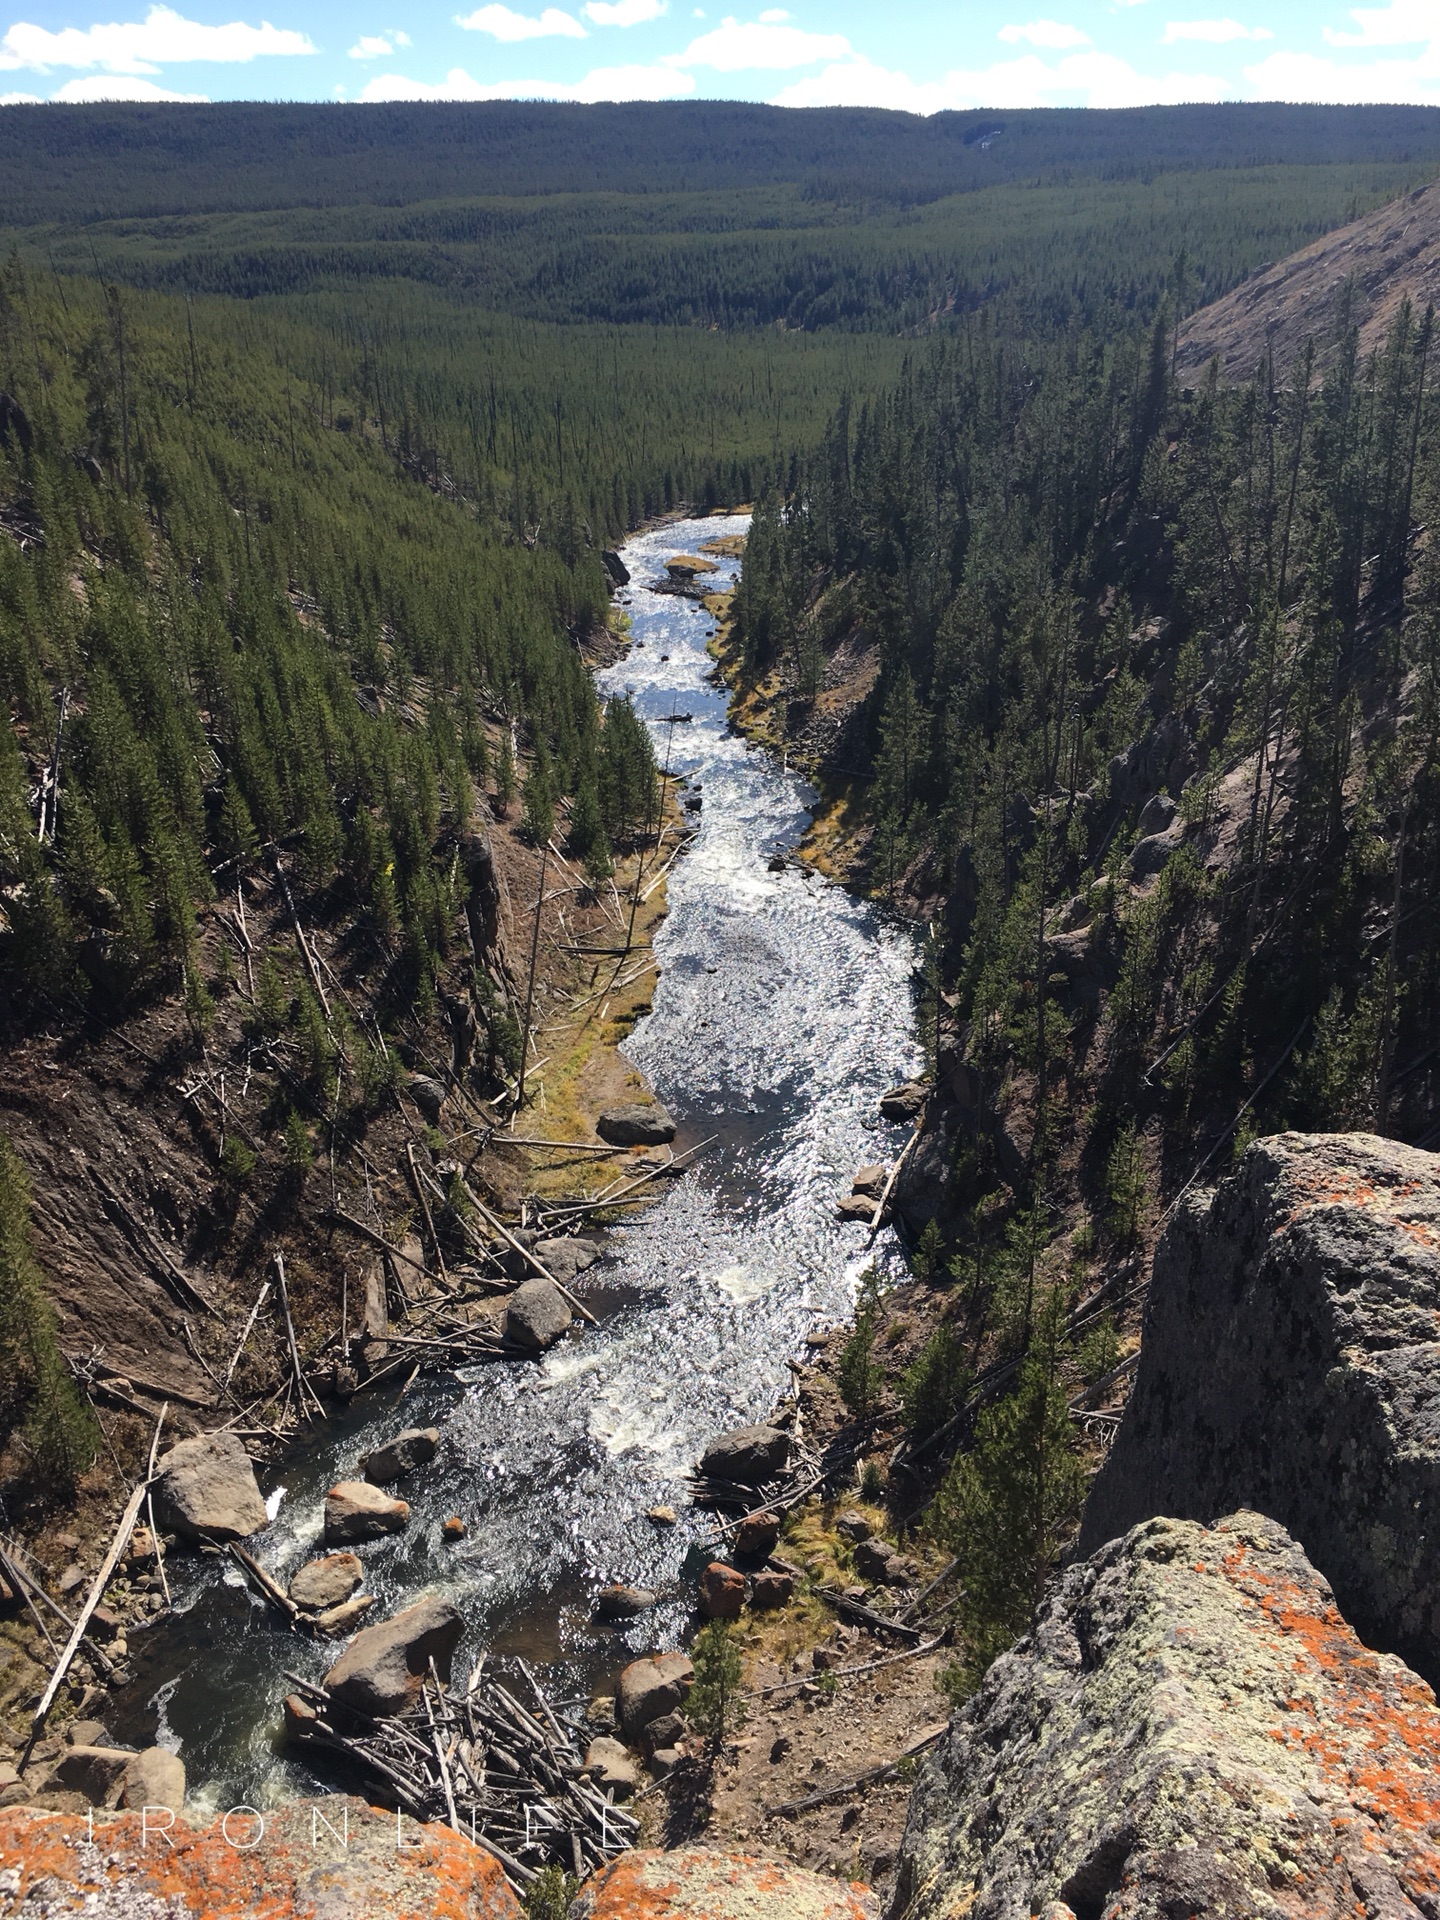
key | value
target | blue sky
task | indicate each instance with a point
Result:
(919, 55)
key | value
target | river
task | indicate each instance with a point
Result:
(782, 1012)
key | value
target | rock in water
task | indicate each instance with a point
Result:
(354, 1510)
(748, 1455)
(326, 1582)
(648, 1688)
(636, 1126)
(207, 1489)
(696, 1884)
(1291, 1363)
(310, 1860)
(381, 1670)
(566, 1258)
(413, 1448)
(904, 1102)
(536, 1316)
(623, 1603)
(1191, 1729)
(154, 1778)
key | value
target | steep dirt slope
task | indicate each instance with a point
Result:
(1387, 255)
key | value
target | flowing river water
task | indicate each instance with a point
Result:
(783, 1010)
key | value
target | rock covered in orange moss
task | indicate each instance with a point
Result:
(313, 1860)
(696, 1884)
(1192, 1728)
(1292, 1365)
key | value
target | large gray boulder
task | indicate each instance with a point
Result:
(413, 1448)
(207, 1490)
(638, 1125)
(1191, 1730)
(382, 1669)
(748, 1455)
(154, 1778)
(355, 1511)
(536, 1315)
(566, 1258)
(1291, 1363)
(649, 1688)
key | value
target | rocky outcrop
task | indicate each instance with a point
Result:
(416, 1447)
(1291, 1363)
(381, 1670)
(747, 1455)
(309, 1860)
(695, 1884)
(355, 1511)
(207, 1490)
(537, 1315)
(636, 1126)
(1192, 1729)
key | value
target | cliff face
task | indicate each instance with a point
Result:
(1291, 1363)
(1364, 270)
(1192, 1729)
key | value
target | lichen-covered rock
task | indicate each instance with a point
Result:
(309, 1860)
(696, 1884)
(1291, 1363)
(1191, 1729)
(207, 1490)
(382, 1669)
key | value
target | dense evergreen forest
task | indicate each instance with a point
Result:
(121, 160)
(301, 519)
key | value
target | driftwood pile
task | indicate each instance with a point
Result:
(505, 1776)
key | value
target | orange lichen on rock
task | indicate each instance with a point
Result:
(696, 1884)
(311, 1860)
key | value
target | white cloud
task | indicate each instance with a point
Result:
(772, 16)
(1046, 33)
(97, 86)
(1308, 76)
(737, 46)
(1403, 23)
(144, 46)
(20, 100)
(506, 25)
(605, 83)
(623, 13)
(372, 46)
(1215, 33)
(1080, 79)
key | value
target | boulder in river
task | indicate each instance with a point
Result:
(354, 1511)
(326, 1582)
(154, 1778)
(903, 1102)
(870, 1182)
(648, 1688)
(408, 1450)
(748, 1455)
(622, 1603)
(615, 568)
(641, 1124)
(1290, 1364)
(1190, 1728)
(381, 1671)
(855, 1206)
(686, 1883)
(566, 1258)
(536, 1315)
(207, 1489)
